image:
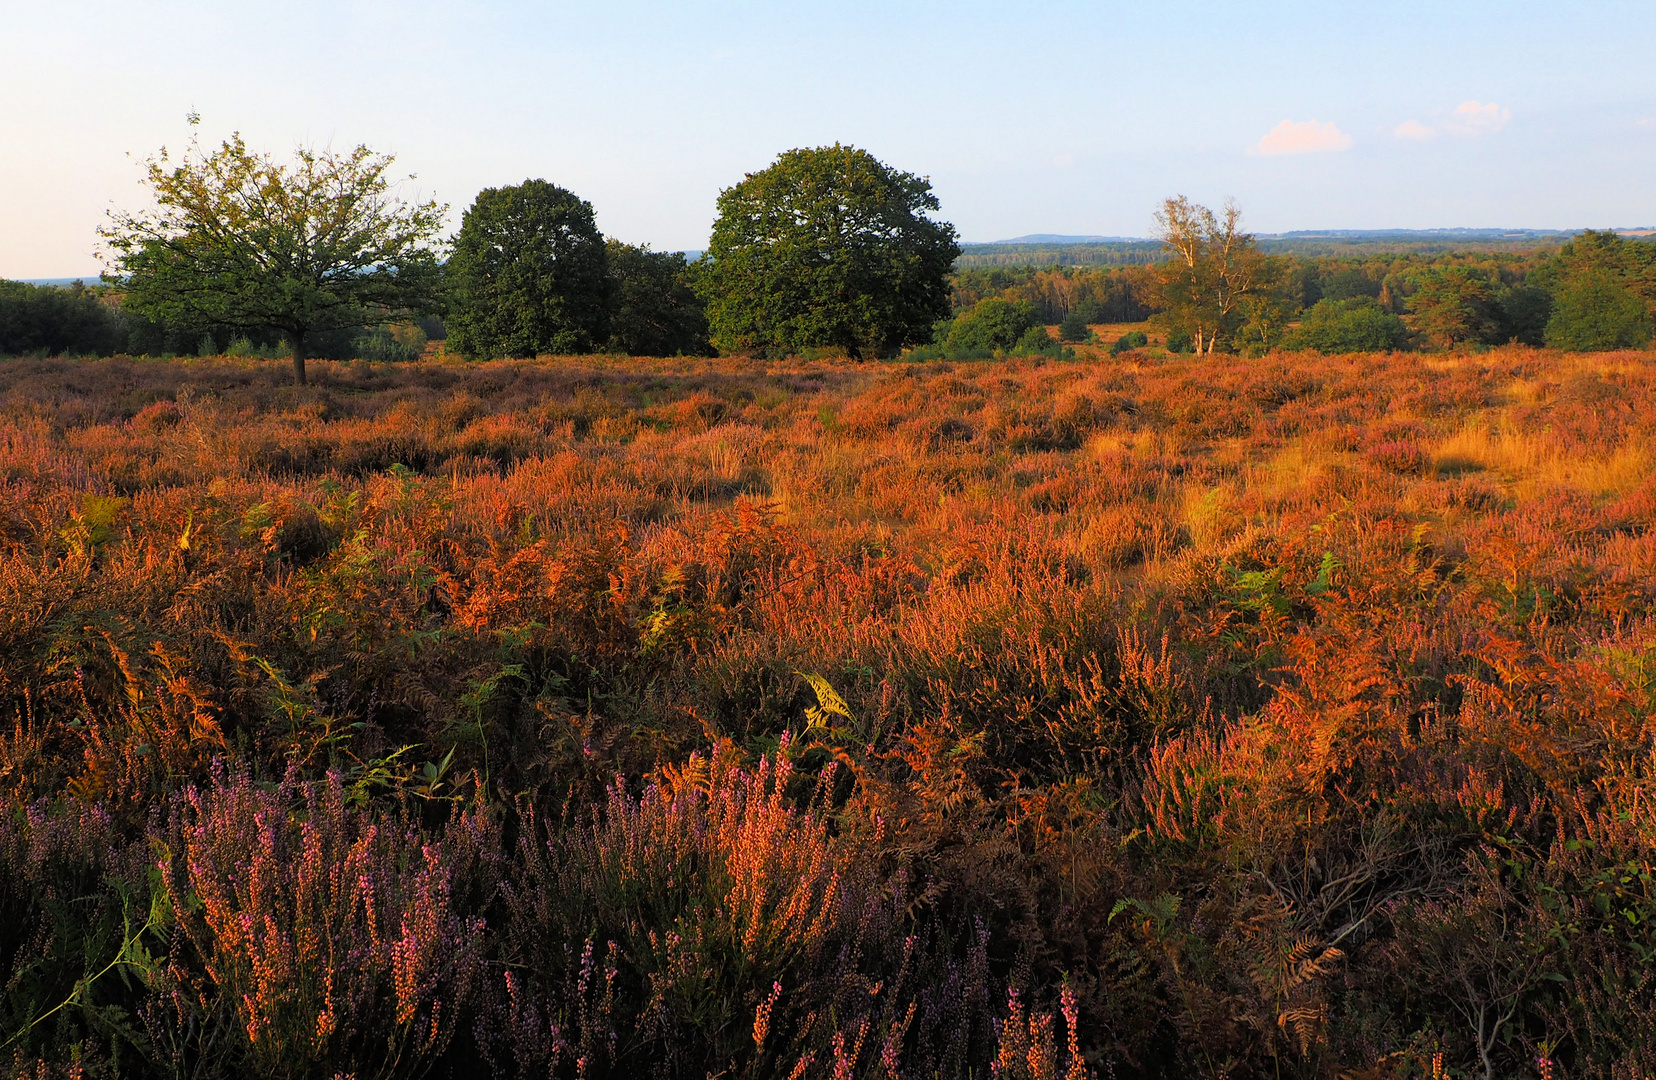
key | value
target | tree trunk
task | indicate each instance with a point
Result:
(299, 358)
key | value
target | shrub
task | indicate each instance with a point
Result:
(1594, 312)
(333, 941)
(1074, 327)
(1358, 324)
(1132, 339)
(706, 923)
(1037, 342)
(992, 324)
(78, 924)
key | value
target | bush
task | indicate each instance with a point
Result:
(1132, 339)
(992, 324)
(74, 938)
(330, 937)
(713, 923)
(1594, 312)
(1074, 327)
(1037, 342)
(1358, 324)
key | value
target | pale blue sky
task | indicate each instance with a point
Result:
(1033, 117)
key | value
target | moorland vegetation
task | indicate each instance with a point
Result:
(1024, 705)
(595, 717)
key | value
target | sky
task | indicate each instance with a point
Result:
(1034, 117)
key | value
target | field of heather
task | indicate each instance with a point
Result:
(1131, 717)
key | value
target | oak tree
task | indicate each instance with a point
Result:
(529, 274)
(827, 247)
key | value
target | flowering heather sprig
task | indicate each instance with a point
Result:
(76, 929)
(330, 934)
(722, 894)
(1028, 1050)
(761, 1016)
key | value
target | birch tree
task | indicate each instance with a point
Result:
(1215, 272)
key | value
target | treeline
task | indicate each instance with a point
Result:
(1102, 296)
(81, 320)
(1595, 292)
(1099, 253)
(645, 308)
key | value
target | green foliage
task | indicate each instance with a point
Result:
(1096, 295)
(1132, 339)
(1037, 342)
(1456, 305)
(1348, 284)
(238, 240)
(991, 325)
(402, 343)
(657, 312)
(826, 247)
(40, 319)
(1595, 312)
(1358, 324)
(529, 274)
(1525, 310)
(1074, 327)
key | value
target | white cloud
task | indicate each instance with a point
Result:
(1473, 118)
(1647, 123)
(1307, 137)
(1468, 119)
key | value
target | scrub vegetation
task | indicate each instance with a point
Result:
(1132, 716)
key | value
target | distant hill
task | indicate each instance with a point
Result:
(1058, 238)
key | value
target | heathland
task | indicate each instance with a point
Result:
(1131, 715)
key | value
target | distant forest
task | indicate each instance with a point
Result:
(1503, 283)
(1344, 243)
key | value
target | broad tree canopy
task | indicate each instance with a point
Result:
(1216, 276)
(827, 247)
(238, 239)
(529, 274)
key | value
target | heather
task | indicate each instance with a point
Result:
(1138, 716)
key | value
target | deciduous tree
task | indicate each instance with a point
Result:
(657, 313)
(240, 240)
(827, 247)
(1214, 271)
(529, 274)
